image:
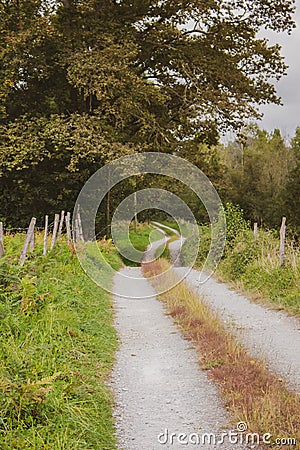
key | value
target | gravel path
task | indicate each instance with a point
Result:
(149, 254)
(269, 334)
(163, 227)
(157, 381)
(174, 246)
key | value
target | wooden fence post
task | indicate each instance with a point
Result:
(135, 213)
(255, 231)
(282, 241)
(76, 231)
(55, 228)
(27, 241)
(62, 217)
(32, 242)
(68, 226)
(45, 236)
(80, 231)
(2, 251)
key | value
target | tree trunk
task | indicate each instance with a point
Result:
(67, 3)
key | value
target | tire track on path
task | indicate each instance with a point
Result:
(157, 381)
(271, 335)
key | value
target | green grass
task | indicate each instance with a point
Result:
(57, 346)
(140, 239)
(156, 235)
(165, 254)
(255, 268)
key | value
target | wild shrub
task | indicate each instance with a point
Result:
(240, 256)
(236, 225)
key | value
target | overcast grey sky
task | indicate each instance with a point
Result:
(286, 117)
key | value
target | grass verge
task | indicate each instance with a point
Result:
(140, 239)
(252, 394)
(254, 268)
(57, 346)
(162, 252)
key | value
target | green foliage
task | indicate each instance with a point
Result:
(235, 226)
(57, 347)
(292, 186)
(235, 223)
(242, 253)
(254, 267)
(84, 82)
(204, 246)
(207, 158)
(140, 239)
(280, 285)
(260, 165)
(78, 50)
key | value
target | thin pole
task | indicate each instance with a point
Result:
(62, 217)
(255, 231)
(68, 226)
(46, 235)
(2, 251)
(55, 228)
(282, 242)
(80, 231)
(27, 241)
(135, 213)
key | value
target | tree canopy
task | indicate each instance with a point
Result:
(183, 62)
(85, 81)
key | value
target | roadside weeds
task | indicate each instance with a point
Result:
(57, 346)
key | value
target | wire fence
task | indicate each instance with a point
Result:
(61, 223)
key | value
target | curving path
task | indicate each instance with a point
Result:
(174, 246)
(157, 381)
(268, 334)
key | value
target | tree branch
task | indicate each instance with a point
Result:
(195, 31)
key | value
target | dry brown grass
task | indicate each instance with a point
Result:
(251, 393)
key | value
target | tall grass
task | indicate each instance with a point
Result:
(57, 347)
(254, 266)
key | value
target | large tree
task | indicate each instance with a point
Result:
(145, 74)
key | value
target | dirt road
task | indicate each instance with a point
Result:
(268, 334)
(157, 381)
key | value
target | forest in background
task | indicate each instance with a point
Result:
(83, 83)
(263, 173)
